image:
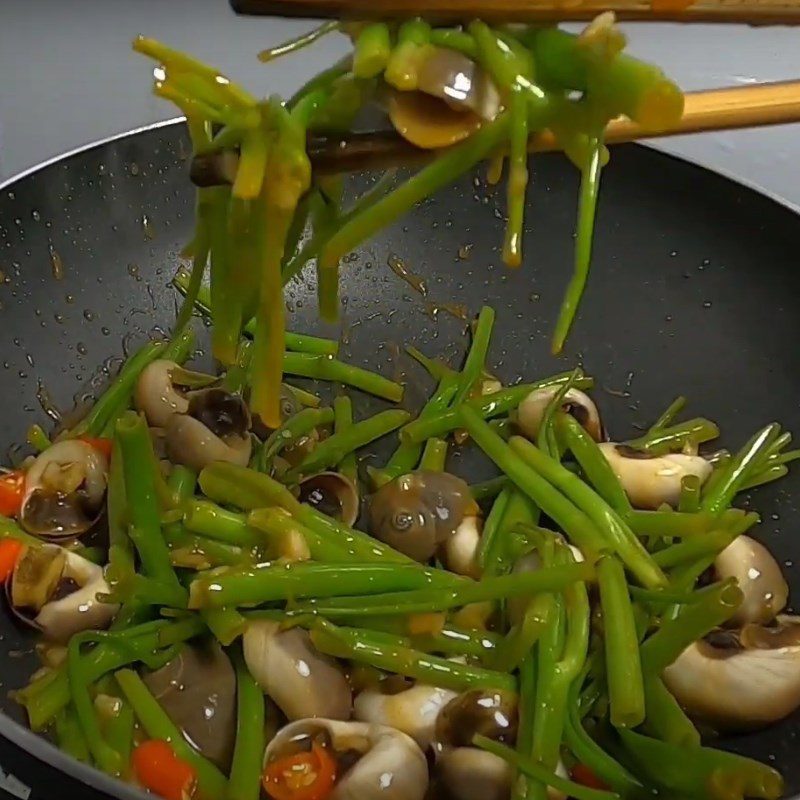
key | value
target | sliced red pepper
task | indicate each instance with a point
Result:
(10, 552)
(12, 490)
(302, 776)
(104, 446)
(158, 769)
(585, 777)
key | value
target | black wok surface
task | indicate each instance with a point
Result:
(695, 290)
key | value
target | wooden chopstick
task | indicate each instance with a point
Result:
(753, 12)
(750, 106)
(715, 109)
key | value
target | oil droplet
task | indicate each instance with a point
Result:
(81, 348)
(398, 266)
(56, 263)
(105, 331)
(134, 168)
(133, 270)
(465, 251)
(59, 318)
(457, 310)
(46, 402)
(88, 315)
(70, 299)
(147, 227)
(36, 215)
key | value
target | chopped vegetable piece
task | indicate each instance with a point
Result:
(301, 776)
(10, 551)
(102, 445)
(581, 774)
(158, 769)
(12, 491)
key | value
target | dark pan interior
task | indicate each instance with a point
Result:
(694, 291)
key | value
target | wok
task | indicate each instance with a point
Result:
(694, 291)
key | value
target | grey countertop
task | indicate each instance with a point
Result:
(69, 76)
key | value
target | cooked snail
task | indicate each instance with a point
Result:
(413, 710)
(331, 493)
(489, 712)
(197, 689)
(215, 427)
(468, 773)
(461, 549)
(453, 97)
(64, 490)
(765, 591)
(650, 481)
(161, 390)
(302, 681)
(740, 680)
(57, 591)
(576, 403)
(381, 763)
(421, 511)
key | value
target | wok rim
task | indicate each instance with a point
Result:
(75, 151)
(40, 748)
(34, 743)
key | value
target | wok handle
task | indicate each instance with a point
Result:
(753, 12)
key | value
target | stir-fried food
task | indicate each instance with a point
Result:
(233, 603)
(228, 609)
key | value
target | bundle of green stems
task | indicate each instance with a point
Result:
(250, 235)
